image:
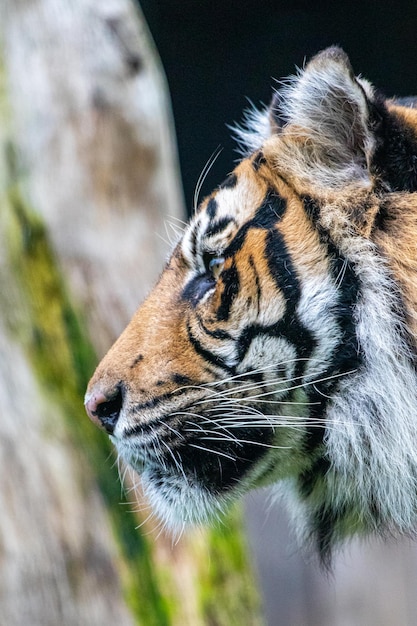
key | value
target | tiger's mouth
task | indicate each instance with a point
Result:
(195, 451)
(196, 457)
(190, 477)
(200, 447)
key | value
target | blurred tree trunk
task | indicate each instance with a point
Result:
(88, 175)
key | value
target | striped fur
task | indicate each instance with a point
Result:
(279, 343)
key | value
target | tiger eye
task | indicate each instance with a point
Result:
(216, 266)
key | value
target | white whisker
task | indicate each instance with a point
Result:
(167, 241)
(204, 172)
(176, 462)
(257, 371)
(227, 456)
(242, 441)
(173, 430)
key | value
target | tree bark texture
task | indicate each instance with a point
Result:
(88, 176)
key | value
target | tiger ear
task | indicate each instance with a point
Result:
(326, 122)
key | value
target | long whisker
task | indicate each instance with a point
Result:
(293, 423)
(173, 232)
(196, 428)
(168, 241)
(227, 456)
(237, 379)
(183, 223)
(227, 392)
(177, 464)
(173, 430)
(241, 441)
(341, 275)
(204, 172)
(260, 370)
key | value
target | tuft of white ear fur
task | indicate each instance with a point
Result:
(254, 130)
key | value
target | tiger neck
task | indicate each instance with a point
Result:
(396, 239)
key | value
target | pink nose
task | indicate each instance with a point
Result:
(104, 410)
(92, 404)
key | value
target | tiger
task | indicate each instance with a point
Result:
(278, 346)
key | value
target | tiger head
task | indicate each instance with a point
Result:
(279, 344)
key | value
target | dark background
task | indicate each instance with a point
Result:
(217, 54)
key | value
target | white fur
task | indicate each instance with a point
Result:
(377, 455)
(253, 131)
(180, 502)
(267, 351)
(319, 294)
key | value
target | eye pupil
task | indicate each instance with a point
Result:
(215, 264)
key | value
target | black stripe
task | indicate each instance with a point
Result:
(283, 272)
(193, 239)
(156, 425)
(216, 227)
(180, 379)
(136, 360)
(258, 160)
(289, 328)
(257, 282)
(229, 183)
(320, 467)
(312, 208)
(231, 284)
(266, 217)
(325, 522)
(285, 276)
(212, 208)
(153, 402)
(270, 212)
(394, 158)
(206, 354)
(281, 269)
(349, 355)
(216, 334)
(387, 222)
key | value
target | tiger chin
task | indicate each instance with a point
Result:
(279, 344)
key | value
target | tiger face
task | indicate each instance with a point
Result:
(279, 344)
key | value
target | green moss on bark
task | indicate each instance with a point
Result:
(63, 360)
(229, 594)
